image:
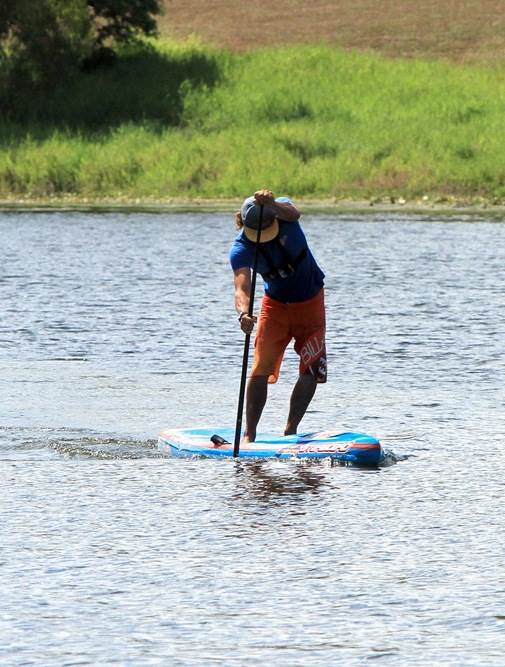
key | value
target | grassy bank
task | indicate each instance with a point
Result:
(183, 121)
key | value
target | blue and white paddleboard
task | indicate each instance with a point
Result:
(354, 448)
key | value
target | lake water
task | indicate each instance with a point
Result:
(116, 326)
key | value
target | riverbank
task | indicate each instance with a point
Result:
(314, 122)
(445, 209)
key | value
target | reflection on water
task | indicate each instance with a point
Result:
(117, 326)
(265, 479)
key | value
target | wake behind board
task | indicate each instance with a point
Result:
(355, 448)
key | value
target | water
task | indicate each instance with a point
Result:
(116, 326)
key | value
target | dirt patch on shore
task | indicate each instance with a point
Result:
(447, 207)
(459, 30)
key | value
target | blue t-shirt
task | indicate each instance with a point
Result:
(307, 278)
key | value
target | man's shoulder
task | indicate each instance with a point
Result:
(239, 243)
(240, 252)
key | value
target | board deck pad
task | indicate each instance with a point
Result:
(349, 447)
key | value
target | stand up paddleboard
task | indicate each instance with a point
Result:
(353, 448)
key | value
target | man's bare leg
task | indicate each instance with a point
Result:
(256, 396)
(300, 399)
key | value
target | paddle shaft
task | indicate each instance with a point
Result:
(247, 342)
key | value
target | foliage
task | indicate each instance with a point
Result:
(41, 41)
(122, 20)
(145, 83)
(42, 37)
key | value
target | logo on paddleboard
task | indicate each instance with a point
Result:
(314, 448)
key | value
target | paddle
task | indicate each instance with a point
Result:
(241, 394)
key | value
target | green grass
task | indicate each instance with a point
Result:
(184, 121)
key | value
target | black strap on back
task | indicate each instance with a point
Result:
(288, 266)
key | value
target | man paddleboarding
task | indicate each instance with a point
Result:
(292, 306)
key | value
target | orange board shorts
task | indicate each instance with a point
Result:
(278, 324)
